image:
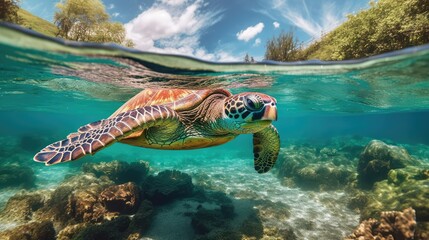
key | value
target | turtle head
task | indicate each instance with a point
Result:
(250, 112)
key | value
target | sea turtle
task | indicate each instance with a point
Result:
(178, 119)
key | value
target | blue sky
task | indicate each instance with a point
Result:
(217, 30)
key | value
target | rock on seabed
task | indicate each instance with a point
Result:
(167, 185)
(378, 158)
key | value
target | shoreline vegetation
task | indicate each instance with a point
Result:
(74, 20)
(386, 26)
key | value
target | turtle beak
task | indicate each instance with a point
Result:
(270, 113)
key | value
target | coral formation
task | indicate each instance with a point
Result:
(403, 188)
(118, 200)
(167, 186)
(313, 169)
(392, 225)
(20, 208)
(110, 230)
(71, 231)
(422, 231)
(84, 205)
(95, 204)
(378, 159)
(396, 180)
(119, 171)
(71, 193)
(31, 231)
(121, 199)
(76, 204)
(379, 177)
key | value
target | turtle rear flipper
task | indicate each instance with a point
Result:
(101, 134)
(266, 147)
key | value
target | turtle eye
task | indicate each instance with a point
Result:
(253, 103)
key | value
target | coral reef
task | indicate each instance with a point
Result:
(389, 178)
(84, 205)
(95, 204)
(20, 207)
(121, 227)
(110, 230)
(31, 231)
(16, 176)
(62, 203)
(405, 187)
(71, 231)
(123, 199)
(422, 231)
(378, 159)
(377, 178)
(167, 186)
(392, 225)
(315, 169)
(118, 171)
(118, 200)
(78, 203)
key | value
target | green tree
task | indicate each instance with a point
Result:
(386, 26)
(282, 48)
(9, 11)
(87, 20)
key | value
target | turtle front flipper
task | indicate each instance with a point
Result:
(266, 147)
(101, 134)
(86, 128)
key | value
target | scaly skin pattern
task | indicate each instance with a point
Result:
(265, 155)
(95, 136)
(178, 119)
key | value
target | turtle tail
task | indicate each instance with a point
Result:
(98, 135)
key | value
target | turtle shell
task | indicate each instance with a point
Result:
(177, 99)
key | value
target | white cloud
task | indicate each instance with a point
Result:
(328, 14)
(111, 6)
(140, 7)
(115, 14)
(223, 56)
(257, 42)
(276, 24)
(174, 29)
(173, 2)
(250, 32)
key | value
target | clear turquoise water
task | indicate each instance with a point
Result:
(49, 88)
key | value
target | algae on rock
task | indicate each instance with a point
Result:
(378, 158)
